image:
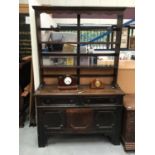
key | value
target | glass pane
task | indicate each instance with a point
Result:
(61, 36)
(59, 48)
(107, 61)
(94, 61)
(95, 36)
(56, 34)
(59, 61)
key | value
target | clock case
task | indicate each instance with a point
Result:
(62, 85)
(93, 84)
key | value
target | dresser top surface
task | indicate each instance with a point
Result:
(82, 90)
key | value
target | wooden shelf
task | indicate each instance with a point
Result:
(58, 54)
(82, 75)
(75, 54)
(55, 75)
(78, 9)
(82, 28)
(53, 89)
(53, 42)
(97, 75)
(77, 67)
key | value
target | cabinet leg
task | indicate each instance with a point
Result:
(115, 140)
(42, 141)
(21, 121)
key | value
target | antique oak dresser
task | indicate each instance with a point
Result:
(68, 101)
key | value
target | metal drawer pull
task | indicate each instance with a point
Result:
(61, 125)
(111, 100)
(88, 100)
(97, 125)
(48, 101)
(71, 101)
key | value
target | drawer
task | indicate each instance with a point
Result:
(100, 100)
(56, 100)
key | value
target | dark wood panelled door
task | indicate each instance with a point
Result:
(79, 119)
(104, 119)
(54, 120)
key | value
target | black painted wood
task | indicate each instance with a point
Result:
(78, 49)
(78, 9)
(37, 21)
(82, 75)
(75, 54)
(117, 48)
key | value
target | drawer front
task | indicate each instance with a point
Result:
(100, 100)
(78, 100)
(47, 100)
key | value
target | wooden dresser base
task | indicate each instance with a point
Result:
(71, 112)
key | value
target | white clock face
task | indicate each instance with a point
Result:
(67, 80)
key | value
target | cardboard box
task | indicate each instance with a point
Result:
(70, 61)
(71, 48)
(105, 61)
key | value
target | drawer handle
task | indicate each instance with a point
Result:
(71, 101)
(61, 126)
(79, 127)
(97, 125)
(46, 126)
(112, 100)
(48, 101)
(88, 100)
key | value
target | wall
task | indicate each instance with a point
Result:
(127, 3)
(23, 1)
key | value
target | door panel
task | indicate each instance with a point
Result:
(79, 119)
(54, 119)
(104, 119)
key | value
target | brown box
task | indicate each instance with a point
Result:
(69, 48)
